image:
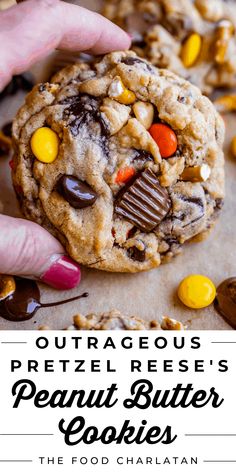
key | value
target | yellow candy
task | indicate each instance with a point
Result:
(120, 93)
(196, 291)
(191, 49)
(127, 97)
(45, 145)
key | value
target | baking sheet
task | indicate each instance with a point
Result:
(149, 295)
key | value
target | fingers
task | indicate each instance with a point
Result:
(28, 250)
(31, 30)
(88, 31)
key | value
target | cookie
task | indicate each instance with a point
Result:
(195, 39)
(121, 161)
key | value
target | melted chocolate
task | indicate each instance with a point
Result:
(24, 302)
(77, 193)
(84, 109)
(137, 255)
(225, 302)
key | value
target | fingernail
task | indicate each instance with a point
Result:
(63, 274)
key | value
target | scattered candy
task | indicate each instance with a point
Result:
(196, 174)
(233, 147)
(45, 145)
(224, 33)
(124, 175)
(226, 103)
(144, 112)
(144, 202)
(120, 93)
(196, 291)
(191, 49)
(225, 302)
(165, 138)
(77, 193)
(7, 286)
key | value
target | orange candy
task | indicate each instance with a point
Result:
(165, 138)
(124, 174)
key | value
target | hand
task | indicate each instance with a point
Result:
(28, 32)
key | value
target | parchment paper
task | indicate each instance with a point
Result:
(152, 294)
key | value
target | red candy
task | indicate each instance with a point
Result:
(165, 138)
(125, 174)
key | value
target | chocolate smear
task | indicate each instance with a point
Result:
(76, 192)
(24, 302)
(144, 202)
(225, 302)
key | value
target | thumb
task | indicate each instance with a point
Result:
(30, 251)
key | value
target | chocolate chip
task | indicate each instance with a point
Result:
(143, 202)
(135, 254)
(132, 232)
(130, 61)
(194, 200)
(225, 302)
(76, 192)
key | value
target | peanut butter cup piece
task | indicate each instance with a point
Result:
(225, 302)
(144, 202)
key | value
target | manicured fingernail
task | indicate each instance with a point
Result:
(63, 274)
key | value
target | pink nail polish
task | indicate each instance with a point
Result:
(64, 274)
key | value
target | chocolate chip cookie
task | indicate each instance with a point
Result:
(195, 39)
(121, 161)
